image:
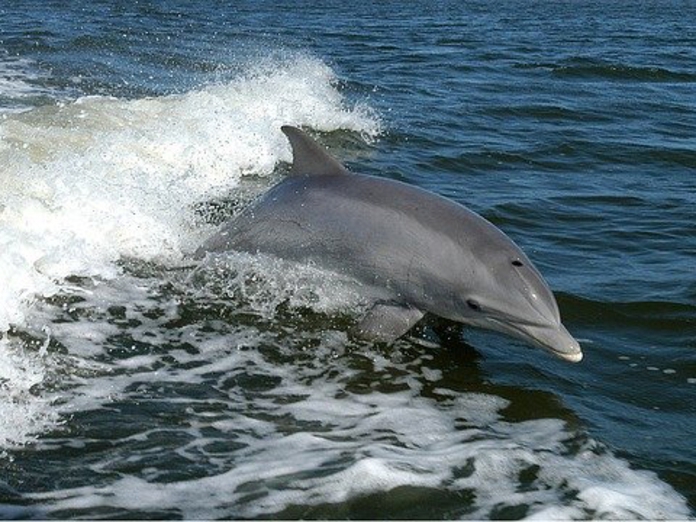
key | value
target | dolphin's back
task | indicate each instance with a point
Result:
(380, 231)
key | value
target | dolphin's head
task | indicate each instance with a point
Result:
(509, 295)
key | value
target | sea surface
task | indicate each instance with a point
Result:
(136, 382)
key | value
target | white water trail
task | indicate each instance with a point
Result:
(88, 183)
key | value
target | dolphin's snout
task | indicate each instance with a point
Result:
(551, 336)
(557, 340)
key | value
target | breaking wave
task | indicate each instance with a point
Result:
(88, 183)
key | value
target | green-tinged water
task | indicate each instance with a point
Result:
(138, 383)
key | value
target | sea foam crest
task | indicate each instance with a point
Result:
(91, 182)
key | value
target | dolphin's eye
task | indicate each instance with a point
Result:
(517, 262)
(473, 305)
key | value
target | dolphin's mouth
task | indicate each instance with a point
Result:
(555, 339)
(558, 341)
(575, 356)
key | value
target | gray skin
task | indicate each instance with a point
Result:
(413, 251)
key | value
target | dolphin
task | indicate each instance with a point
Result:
(412, 251)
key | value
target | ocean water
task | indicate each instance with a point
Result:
(138, 383)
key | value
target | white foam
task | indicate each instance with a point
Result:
(399, 441)
(307, 439)
(265, 282)
(23, 411)
(19, 80)
(88, 183)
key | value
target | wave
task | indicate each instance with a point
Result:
(271, 424)
(88, 183)
(23, 85)
(23, 414)
(595, 68)
(247, 408)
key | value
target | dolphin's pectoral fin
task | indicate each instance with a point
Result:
(386, 322)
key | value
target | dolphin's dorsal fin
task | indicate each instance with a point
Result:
(308, 157)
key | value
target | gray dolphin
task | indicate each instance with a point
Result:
(413, 251)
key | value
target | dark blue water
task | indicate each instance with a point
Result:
(135, 385)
